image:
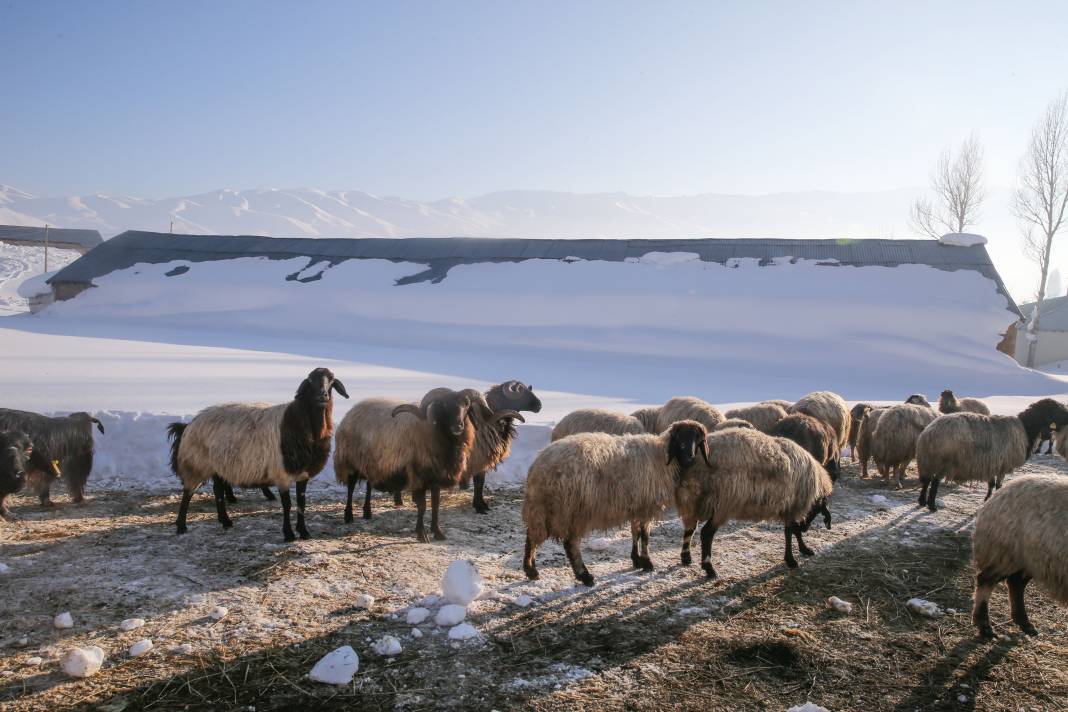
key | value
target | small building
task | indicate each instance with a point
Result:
(60, 238)
(1052, 332)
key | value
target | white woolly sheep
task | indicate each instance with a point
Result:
(755, 477)
(962, 447)
(733, 423)
(592, 481)
(784, 404)
(865, 433)
(597, 420)
(256, 444)
(763, 416)
(949, 403)
(649, 418)
(828, 407)
(1019, 536)
(688, 408)
(893, 441)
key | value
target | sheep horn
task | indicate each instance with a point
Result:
(502, 414)
(409, 408)
(703, 447)
(99, 425)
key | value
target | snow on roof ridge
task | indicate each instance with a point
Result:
(962, 239)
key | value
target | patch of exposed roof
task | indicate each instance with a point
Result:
(56, 236)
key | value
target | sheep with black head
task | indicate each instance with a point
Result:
(64, 440)
(15, 452)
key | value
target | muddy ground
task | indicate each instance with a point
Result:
(759, 637)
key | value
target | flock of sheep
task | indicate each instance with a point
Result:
(773, 461)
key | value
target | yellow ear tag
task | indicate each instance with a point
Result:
(55, 466)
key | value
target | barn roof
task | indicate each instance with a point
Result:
(1054, 315)
(441, 254)
(58, 236)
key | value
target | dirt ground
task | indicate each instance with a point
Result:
(759, 637)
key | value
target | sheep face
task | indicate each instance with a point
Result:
(686, 438)
(15, 450)
(317, 386)
(514, 395)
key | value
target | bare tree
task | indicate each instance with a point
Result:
(1041, 199)
(957, 184)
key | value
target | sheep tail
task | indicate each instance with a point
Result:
(174, 434)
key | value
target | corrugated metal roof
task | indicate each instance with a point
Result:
(440, 254)
(18, 233)
(1054, 316)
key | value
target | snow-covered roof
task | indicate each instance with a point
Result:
(1054, 316)
(56, 236)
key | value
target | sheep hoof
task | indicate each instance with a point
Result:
(636, 561)
(985, 631)
(586, 579)
(531, 572)
(228, 524)
(439, 535)
(932, 507)
(348, 516)
(367, 514)
(421, 537)
(481, 507)
(686, 558)
(48, 504)
(710, 572)
(646, 566)
(288, 536)
(806, 551)
(304, 533)
(181, 530)
(791, 563)
(1027, 628)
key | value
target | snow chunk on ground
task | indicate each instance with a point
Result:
(132, 624)
(461, 583)
(924, 608)
(837, 604)
(464, 631)
(450, 615)
(808, 707)
(34, 661)
(336, 667)
(416, 633)
(140, 648)
(878, 499)
(523, 600)
(365, 600)
(601, 543)
(63, 620)
(219, 612)
(4, 568)
(82, 662)
(416, 616)
(962, 239)
(561, 674)
(183, 649)
(387, 646)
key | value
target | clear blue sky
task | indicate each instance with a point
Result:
(432, 99)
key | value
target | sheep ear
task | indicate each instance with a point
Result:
(340, 388)
(408, 408)
(703, 447)
(99, 425)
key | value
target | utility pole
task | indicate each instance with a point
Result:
(172, 227)
(46, 247)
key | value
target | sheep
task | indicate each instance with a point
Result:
(258, 444)
(1046, 435)
(893, 440)
(919, 399)
(493, 441)
(592, 481)
(864, 437)
(648, 418)
(597, 420)
(1019, 536)
(763, 416)
(960, 447)
(687, 408)
(733, 423)
(784, 404)
(750, 476)
(949, 403)
(815, 436)
(828, 407)
(15, 452)
(856, 414)
(66, 440)
(403, 446)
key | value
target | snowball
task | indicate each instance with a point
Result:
(523, 600)
(600, 544)
(878, 499)
(4, 568)
(450, 615)
(924, 608)
(336, 667)
(808, 707)
(132, 624)
(219, 612)
(464, 631)
(836, 603)
(416, 633)
(430, 600)
(962, 239)
(140, 648)
(34, 661)
(461, 583)
(183, 649)
(962, 699)
(24, 640)
(387, 646)
(417, 615)
(63, 620)
(82, 662)
(365, 600)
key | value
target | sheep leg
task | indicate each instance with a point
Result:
(791, 562)
(528, 559)
(688, 528)
(398, 500)
(419, 496)
(984, 586)
(574, 557)
(287, 504)
(350, 485)
(267, 493)
(5, 514)
(183, 508)
(989, 490)
(366, 498)
(899, 474)
(932, 494)
(639, 545)
(218, 488)
(1017, 583)
(924, 485)
(228, 489)
(435, 503)
(76, 473)
(801, 546)
(707, 532)
(302, 529)
(480, 502)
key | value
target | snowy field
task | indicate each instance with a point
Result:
(24, 264)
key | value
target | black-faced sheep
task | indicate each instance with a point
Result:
(893, 441)
(949, 403)
(1046, 435)
(1019, 537)
(597, 420)
(688, 408)
(763, 416)
(815, 436)
(593, 481)
(493, 440)
(15, 452)
(755, 477)
(66, 440)
(258, 444)
(649, 418)
(962, 447)
(856, 415)
(828, 407)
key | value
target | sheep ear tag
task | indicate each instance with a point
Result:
(55, 467)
